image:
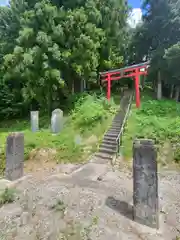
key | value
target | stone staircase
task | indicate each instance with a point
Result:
(109, 146)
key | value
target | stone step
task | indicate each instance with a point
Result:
(109, 141)
(113, 131)
(119, 113)
(112, 134)
(108, 134)
(107, 150)
(118, 116)
(117, 123)
(110, 138)
(109, 146)
(115, 127)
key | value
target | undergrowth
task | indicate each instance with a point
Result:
(7, 196)
(90, 117)
(157, 120)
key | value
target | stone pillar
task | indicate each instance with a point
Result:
(35, 121)
(14, 156)
(57, 121)
(145, 187)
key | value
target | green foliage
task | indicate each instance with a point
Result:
(10, 105)
(59, 206)
(92, 110)
(157, 120)
(52, 49)
(157, 37)
(172, 56)
(158, 108)
(7, 196)
(77, 231)
(65, 145)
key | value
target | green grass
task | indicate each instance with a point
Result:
(7, 196)
(91, 117)
(157, 120)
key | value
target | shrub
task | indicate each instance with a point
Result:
(157, 120)
(7, 196)
(91, 109)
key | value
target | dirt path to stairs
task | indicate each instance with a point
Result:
(94, 193)
(88, 202)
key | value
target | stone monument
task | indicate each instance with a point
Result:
(14, 156)
(145, 187)
(57, 121)
(35, 121)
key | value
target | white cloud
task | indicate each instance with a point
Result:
(135, 17)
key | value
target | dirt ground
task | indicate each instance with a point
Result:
(86, 202)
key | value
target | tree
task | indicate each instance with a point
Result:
(58, 47)
(35, 58)
(159, 31)
(172, 56)
(111, 17)
(53, 45)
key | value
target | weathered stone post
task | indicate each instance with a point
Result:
(57, 121)
(145, 187)
(35, 121)
(14, 156)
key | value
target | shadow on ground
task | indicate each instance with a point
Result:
(121, 207)
(125, 209)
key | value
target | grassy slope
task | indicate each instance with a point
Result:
(89, 119)
(158, 120)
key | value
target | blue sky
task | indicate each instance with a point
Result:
(135, 3)
(3, 2)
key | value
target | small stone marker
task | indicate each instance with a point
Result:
(78, 140)
(145, 189)
(57, 121)
(14, 156)
(35, 121)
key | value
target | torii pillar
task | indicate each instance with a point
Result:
(137, 89)
(108, 87)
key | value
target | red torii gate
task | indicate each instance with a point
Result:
(133, 71)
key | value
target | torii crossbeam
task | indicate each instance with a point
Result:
(133, 71)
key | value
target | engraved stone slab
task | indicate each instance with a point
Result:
(57, 121)
(145, 187)
(14, 156)
(35, 121)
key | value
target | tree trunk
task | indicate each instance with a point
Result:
(172, 91)
(82, 85)
(49, 100)
(85, 85)
(177, 93)
(159, 87)
(154, 85)
(77, 84)
(143, 81)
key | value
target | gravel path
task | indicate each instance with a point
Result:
(93, 202)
